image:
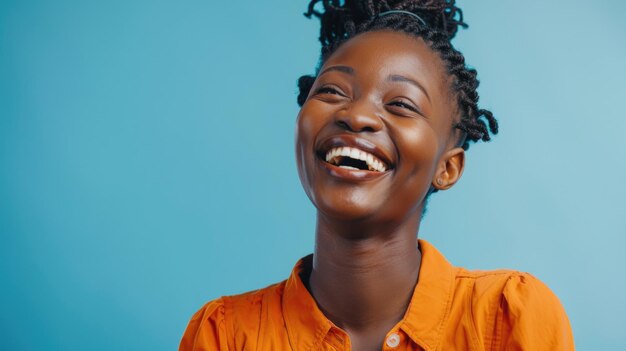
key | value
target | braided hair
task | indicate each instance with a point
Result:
(342, 20)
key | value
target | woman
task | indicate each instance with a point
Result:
(385, 123)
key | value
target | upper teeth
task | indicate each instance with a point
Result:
(373, 163)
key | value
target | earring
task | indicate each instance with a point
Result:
(439, 181)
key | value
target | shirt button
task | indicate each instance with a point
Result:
(393, 340)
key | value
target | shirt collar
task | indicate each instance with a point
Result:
(423, 321)
(432, 298)
(306, 324)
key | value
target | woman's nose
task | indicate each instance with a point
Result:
(360, 117)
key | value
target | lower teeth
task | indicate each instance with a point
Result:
(349, 167)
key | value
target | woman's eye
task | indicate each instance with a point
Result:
(405, 105)
(328, 90)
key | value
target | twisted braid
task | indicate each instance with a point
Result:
(342, 21)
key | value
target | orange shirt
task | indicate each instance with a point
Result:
(451, 309)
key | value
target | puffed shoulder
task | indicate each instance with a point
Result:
(531, 317)
(206, 329)
(233, 322)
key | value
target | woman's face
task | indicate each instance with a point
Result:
(376, 130)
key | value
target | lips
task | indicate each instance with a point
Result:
(355, 154)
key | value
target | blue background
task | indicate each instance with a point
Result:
(147, 164)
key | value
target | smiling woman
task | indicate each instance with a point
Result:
(373, 105)
(383, 124)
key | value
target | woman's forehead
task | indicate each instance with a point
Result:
(382, 53)
(373, 57)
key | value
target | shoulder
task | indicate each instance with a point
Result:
(513, 289)
(505, 283)
(519, 309)
(216, 324)
(244, 310)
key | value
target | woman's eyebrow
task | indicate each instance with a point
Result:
(399, 78)
(345, 69)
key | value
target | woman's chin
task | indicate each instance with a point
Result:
(347, 209)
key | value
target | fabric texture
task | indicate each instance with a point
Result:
(451, 309)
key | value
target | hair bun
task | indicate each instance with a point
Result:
(440, 15)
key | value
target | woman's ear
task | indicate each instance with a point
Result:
(450, 169)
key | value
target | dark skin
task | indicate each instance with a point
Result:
(389, 94)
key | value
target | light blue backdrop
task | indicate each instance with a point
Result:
(147, 166)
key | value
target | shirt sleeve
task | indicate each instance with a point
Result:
(532, 318)
(206, 329)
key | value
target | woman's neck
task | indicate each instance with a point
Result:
(363, 277)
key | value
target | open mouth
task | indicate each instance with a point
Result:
(356, 159)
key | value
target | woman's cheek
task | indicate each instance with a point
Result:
(418, 144)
